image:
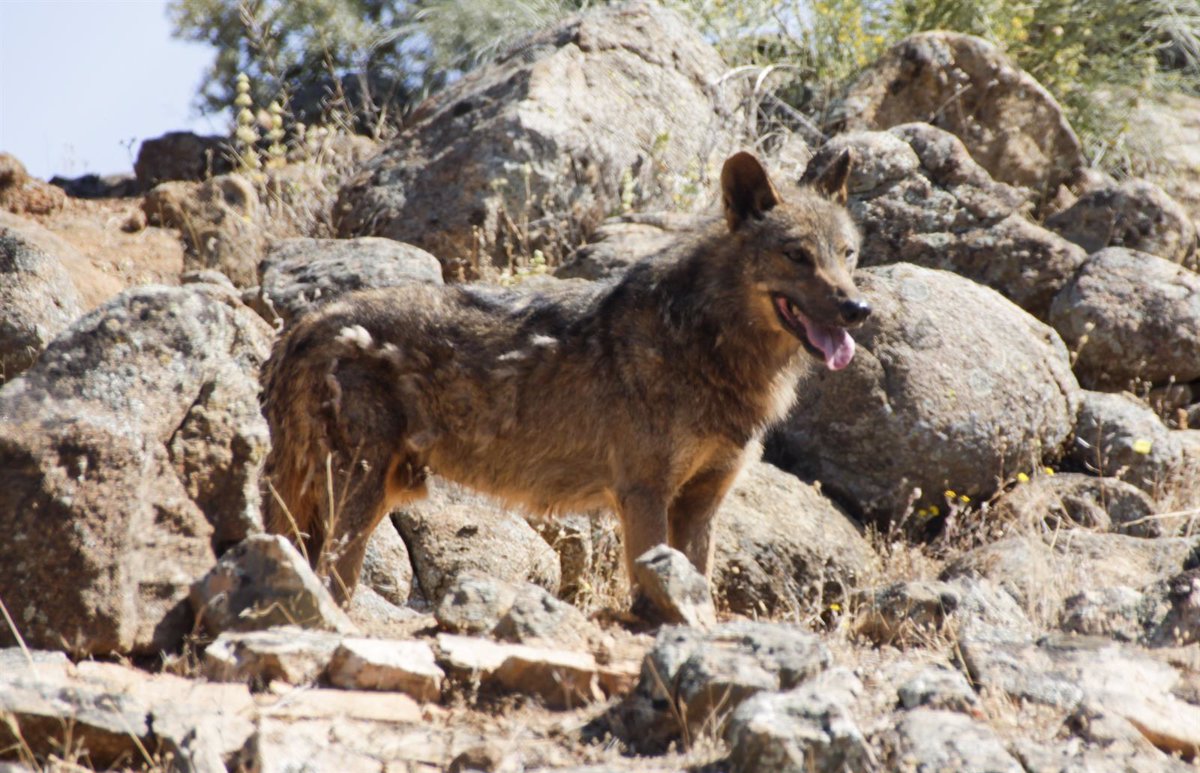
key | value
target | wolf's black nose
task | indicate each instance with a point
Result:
(854, 310)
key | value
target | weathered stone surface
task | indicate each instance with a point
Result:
(988, 612)
(621, 241)
(474, 603)
(933, 740)
(919, 411)
(1166, 129)
(300, 274)
(110, 712)
(561, 678)
(387, 568)
(456, 530)
(807, 729)
(1117, 435)
(937, 687)
(536, 617)
(130, 450)
(920, 198)
(295, 655)
(1040, 576)
(218, 221)
(1131, 316)
(781, 544)
(263, 582)
(905, 613)
(674, 590)
(700, 677)
(182, 156)
(515, 154)
(1163, 614)
(1013, 127)
(1134, 214)
(38, 301)
(1069, 499)
(394, 666)
(25, 195)
(1064, 671)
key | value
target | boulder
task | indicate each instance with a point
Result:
(456, 530)
(128, 454)
(1071, 499)
(967, 86)
(38, 301)
(1041, 571)
(919, 197)
(923, 408)
(1130, 316)
(697, 678)
(393, 666)
(1164, 132)
(218, 220)
(621, 241)
(611, 107)
(782, 545)
(182, 156)
(299, 274)
(810, 728)
(1117, 435)
(520, 613)
(263, 582)
(94, 186)
(1134, 214)
(25, 195)
(933, 739)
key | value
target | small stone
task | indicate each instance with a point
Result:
(294, 655)
(905, 613)
(936, 687)
(675, 590)
(396, 666)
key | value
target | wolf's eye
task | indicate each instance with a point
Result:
(799, 255)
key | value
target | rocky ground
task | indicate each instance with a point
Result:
(976, 549)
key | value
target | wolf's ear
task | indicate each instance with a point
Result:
(745, 189)
(831, 181)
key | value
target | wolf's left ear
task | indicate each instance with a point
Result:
(745, 189)
(831, 182)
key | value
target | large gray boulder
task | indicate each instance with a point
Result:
(953, 388)
(219, 222)
(1012, 126)
(37, 302)
(612, 107)
(1135, 214)
(456, 530)
(1131, 316)
(919, 197)
(129, 454)
(300, 274)
(783, 545)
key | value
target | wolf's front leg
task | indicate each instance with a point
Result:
(643, 514)
(692, 514)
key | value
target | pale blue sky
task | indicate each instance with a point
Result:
(79, 79)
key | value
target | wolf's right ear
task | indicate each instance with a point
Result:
(832, 181)
(745, 189)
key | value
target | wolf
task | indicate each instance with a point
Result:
(645, 395)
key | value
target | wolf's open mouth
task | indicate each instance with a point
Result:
(830, 343)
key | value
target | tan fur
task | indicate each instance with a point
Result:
(646, 395)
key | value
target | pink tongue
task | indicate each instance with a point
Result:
(834, 342)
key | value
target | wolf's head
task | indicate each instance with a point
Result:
(800, 253)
